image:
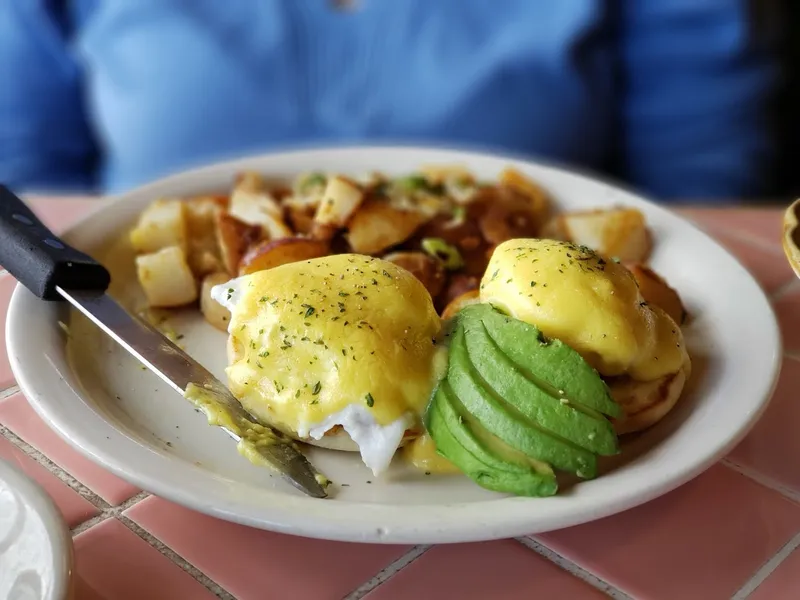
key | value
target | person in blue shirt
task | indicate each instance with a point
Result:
(671, 96)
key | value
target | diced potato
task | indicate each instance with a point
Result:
(201, 219)
(437, 174)
(428, 270)
(539, 203)
(508, 218)
(655, 290)
(619, 233)
(274, 253)
(166, 278)
(377, 226)
(458, 285)
(458, 303)
(234, 238)
(341, 199)
(160, 225)
(251, 198)
(252, 203)
(216, 314)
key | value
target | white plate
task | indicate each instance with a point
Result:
(124, 418)
(35, 545)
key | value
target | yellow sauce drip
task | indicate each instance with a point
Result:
(421, 453)
(253, 436)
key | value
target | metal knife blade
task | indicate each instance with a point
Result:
(178, 370)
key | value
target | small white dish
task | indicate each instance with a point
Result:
(121, 416)
(35, 544)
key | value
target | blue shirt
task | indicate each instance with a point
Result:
(670, 95)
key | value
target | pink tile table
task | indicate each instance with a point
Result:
(734, 532)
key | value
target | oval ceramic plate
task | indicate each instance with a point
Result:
(35, 545)
(121, 416)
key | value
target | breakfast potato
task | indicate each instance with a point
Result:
(538, 202)
(619, 233)
(203, 252)
(274, 253)
(252, 203)
(655, 290)
(160, 225)
(234, 238)
(510, 216)
(166, 278)
(341, 199)
(300, 215)
(216, 314)
(439, 174)
(458, 285)
(429, 271)
(377, 226)
(458, 303)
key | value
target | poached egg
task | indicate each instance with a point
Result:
(338, 351)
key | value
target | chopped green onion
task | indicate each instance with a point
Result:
(447, 254)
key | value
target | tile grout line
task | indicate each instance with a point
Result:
(784, 290)
(8, 392)
(573, 568)
(108, 513)
(170, 554)
(76, 486)
(744, 236)
(767, 569)
(388, 572)
(762, 480)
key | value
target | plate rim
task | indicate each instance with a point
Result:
(34, 390)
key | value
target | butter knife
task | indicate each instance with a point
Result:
(54, 271)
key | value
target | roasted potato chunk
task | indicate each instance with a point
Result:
(511, 215)
(160, 225)
(619, 233)
(341, 199)
(301, 217)
(252, 203)
(234, 238)
(274, 253)
(458, 303)
(438, 174)
(216, 314)
(655, 290)
(458, 285)
(166, 278)
(377, 226)
(538, 202)
(428, 270)
(203, 253)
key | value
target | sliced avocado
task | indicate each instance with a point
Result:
(506, 422)
(549, 410)
(549, 363)
(457, 442)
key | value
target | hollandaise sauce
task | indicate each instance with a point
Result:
(252, 436)
(422, 454)
(572, 294)
(311, 338)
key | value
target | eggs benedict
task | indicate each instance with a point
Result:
(339, 352)
(572, 294)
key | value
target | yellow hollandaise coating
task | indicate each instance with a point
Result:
(309, 338)
(593, 305)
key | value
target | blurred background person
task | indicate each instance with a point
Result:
(674, 97)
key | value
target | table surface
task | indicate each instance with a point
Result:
(733, 532)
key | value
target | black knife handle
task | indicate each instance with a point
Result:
(39, 259)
